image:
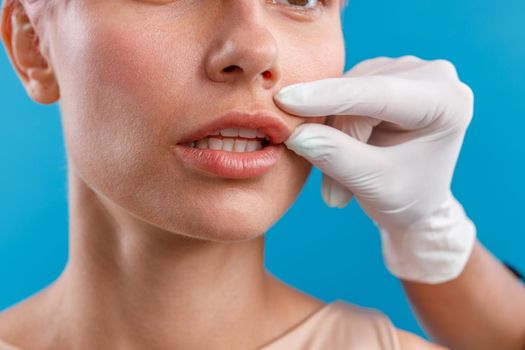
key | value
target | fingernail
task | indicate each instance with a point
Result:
(292, 142)
(343, 204)
(287, 94)
(305, 143)
(335, 197)
(298, 143)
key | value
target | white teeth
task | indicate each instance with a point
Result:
(232, 140)
(202, 143)
(214, 143)
(240, 145)
(246, 133)
(227, 144)
(230, 132)
(251, 146)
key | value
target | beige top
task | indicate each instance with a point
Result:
(335, 326)
(340, 326)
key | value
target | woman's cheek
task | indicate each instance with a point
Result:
(321, 58)
(125, 62)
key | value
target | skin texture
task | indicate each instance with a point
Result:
(162, 243)
(161, 256)
(142, 95)
(483, 308)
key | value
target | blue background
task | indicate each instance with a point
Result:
(330, 253)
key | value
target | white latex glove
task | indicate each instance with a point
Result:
(414, 115)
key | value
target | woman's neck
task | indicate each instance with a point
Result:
(131, 285)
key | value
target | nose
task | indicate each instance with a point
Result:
(243, 49)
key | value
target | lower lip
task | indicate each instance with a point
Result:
(237, 165)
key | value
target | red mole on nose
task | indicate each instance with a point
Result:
(267, 74)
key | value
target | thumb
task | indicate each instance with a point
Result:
(338, 155)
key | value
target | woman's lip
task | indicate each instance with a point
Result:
(270, 124)
(236, 165)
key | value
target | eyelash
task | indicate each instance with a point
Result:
(301, 8)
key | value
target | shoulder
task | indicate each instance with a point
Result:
(409, 341)
(372, 323)
(27, 316)
(10, 327)
(14, 322)
(11, 319)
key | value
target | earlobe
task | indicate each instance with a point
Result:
(22, 44)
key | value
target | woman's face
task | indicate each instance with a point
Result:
(137, 76)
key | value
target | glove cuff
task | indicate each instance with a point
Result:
(434, 250)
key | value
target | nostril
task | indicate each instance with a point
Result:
(231, 69)
(267, 74)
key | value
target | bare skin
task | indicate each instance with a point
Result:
(141, 292)
(484, 308)
(161, 256)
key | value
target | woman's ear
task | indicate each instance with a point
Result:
(22, 45)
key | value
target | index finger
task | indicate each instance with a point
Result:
(408, 103)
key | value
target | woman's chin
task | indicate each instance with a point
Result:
(224, 221)
(230, 223)
(221, 210)
(226, 235)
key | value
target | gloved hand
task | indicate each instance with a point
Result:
(414, 115)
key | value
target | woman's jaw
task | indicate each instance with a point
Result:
(148, 231)
(136, 78)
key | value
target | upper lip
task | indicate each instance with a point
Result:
(267, 122)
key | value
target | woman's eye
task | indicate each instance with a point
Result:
(298, 4)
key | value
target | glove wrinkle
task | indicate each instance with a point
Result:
(394, 142)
